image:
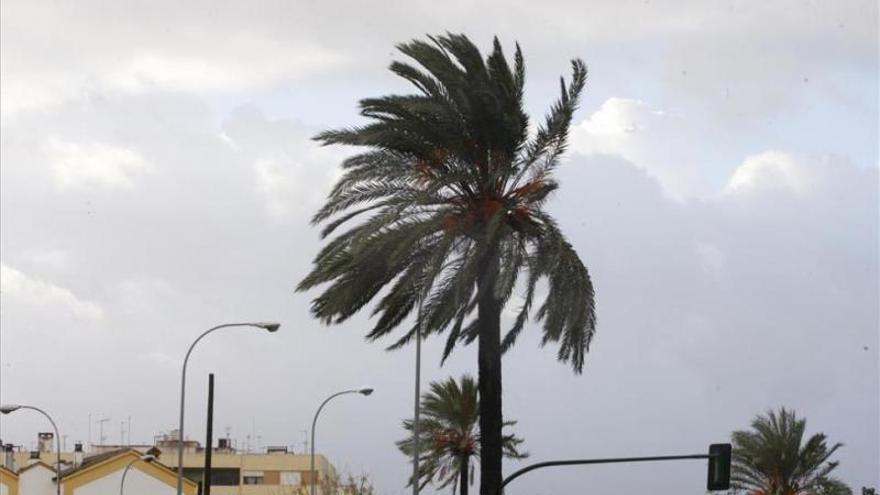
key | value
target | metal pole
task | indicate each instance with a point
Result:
(416, 452)
(268, 326)
(313, 475)
(573, 462)
(146, 458)
(124, 472)
(209, 442)
(57, 445)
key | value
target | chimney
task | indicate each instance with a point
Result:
(34, 458)
(77, 454)
(8, 457)
(45, 442)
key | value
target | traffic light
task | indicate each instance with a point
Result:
(719, 467)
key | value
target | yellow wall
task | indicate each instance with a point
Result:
(244, 462)
(10, 481)
(118, 463)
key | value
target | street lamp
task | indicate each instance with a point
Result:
(268, 326)
(363, 391)
(8, 408)
(145, 458)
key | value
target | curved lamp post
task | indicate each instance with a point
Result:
(8, 408)
(268, 326)
(363, 391)
(145, 458)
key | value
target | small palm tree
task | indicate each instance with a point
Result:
(772, 459)
(453, 186)
(449, 435)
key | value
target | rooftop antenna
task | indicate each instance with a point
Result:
(253, 432)
(101, 436)
(305, 440)
(129, 430)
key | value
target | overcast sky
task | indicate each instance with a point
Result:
(722, 187)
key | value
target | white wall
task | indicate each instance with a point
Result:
(3, 489)
(136, 483)
(36, 481)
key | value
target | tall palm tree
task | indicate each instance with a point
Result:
(449, 436)
(454, 187)
(772, 459)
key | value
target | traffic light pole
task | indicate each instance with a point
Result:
(719, 465)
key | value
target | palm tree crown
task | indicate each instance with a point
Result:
(449, 435)
(773, 459)
(453, 182)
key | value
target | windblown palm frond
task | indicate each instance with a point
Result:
(452, 182)
(773, 459)
(449, 435)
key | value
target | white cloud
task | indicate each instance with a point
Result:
(658, 141)
(276, 184)
(768, 171)
(242, 64)
(85, 50)
(618, 117)
(19, 287)
(291, 172)
(94, 164)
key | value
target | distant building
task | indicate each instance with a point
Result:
(99, 474)
(276, 471)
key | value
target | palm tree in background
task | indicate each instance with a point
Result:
(773, 459)
(449, 435)
(453, 188)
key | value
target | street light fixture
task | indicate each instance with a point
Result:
(365, 391)
(145, 458)
(269, 326)
(9, 408)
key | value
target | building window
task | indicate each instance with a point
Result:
(252, 478)
(291, 478)
(224, 477)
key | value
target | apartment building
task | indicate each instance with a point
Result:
(273, 471)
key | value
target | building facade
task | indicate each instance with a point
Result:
(276, 471)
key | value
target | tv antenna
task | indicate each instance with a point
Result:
(101, 436)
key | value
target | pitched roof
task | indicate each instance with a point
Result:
(94, 459)
(108, 461)
(36, 464)
(8, 471)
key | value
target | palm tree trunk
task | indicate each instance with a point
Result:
(463, 476)
(489, 360)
